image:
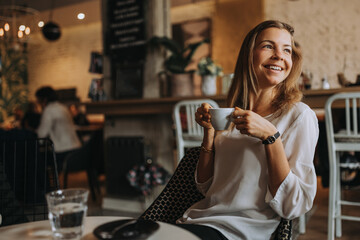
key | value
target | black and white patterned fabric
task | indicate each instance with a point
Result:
(181, 192)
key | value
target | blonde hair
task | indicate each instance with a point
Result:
(245, 81)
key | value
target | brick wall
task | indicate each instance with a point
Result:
(65, 63)
(328, 32)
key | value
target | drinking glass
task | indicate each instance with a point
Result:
(67, 211)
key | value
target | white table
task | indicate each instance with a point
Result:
(41, 230)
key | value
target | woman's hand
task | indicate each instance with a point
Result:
(252, 124)
(205, 167)
(202, 116)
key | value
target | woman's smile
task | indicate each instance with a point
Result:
(272, 56)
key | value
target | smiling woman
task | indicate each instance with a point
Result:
(272, 57)
(259, 169)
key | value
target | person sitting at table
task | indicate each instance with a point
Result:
(78, 116)
(57, 123)
(261, 168)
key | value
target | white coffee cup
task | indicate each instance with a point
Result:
(221, 117)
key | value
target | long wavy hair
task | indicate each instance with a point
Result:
(245, 81)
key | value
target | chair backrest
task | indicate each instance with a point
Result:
(28, 171)
(181, 192)
(347, 136)
(188, 132)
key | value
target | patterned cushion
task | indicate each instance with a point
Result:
(181, 192)
(284, 230)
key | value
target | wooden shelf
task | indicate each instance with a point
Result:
(141, 106)
(317, 98)
(127, 107)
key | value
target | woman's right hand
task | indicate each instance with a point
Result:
(202, 116)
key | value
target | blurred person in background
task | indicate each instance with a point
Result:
(57, 123)
(79, 116)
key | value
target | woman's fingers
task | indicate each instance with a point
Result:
(242, 120)
(202, 116)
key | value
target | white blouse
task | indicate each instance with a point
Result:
(237, 200)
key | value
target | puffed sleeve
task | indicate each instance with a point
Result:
(296, 193)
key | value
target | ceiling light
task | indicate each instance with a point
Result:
(6, 27)
(27, 30)
(81, 16)
(41, 24)
(22, 27)
(51, 30)
(13, 19)
(20, 34)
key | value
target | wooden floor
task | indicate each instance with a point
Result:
(316, 227)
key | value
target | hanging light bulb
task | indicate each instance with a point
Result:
(27, 30)
(51, 30)
(2, 32)
(18, 22)
(6, 27)
(20, 34)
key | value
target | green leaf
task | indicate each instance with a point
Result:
(180, 57)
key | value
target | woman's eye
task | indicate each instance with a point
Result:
(267, 46)
(287, 50)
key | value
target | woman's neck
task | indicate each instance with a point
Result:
(261, 103)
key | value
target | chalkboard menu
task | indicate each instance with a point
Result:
(128, 80)
(125, 30)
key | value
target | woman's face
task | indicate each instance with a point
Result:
(272, 57)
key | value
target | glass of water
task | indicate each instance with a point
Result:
(67, 211)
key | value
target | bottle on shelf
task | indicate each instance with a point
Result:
(325, 83)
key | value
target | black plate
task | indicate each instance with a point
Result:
(126, 229)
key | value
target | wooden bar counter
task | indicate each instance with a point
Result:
(314, 98)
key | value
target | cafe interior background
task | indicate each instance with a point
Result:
(327, 31)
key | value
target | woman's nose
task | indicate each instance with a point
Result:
(278, 55)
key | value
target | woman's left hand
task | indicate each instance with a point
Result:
(252, 124)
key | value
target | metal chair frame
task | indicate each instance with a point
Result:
(28, 171)
(192, 137)
(348, 140)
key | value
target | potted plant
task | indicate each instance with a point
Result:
(209, 70)
(13, 81)
(176, 64)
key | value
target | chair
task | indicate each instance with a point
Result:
(27, 172)
(188, 132)
(83, 159)
(181, 192)
(340, 141)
